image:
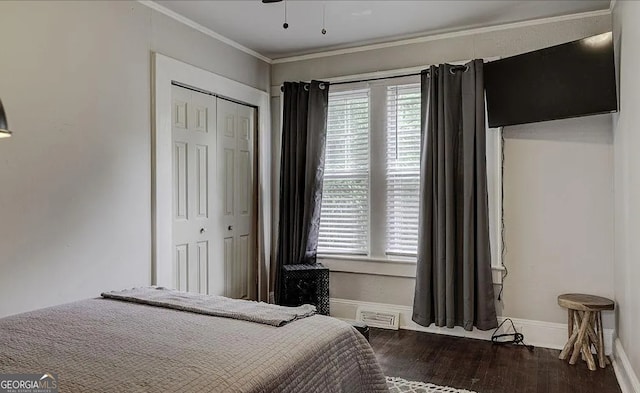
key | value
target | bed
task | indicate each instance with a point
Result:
(109, 345)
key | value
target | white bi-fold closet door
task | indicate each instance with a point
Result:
(213, 194)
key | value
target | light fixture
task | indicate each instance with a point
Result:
(285, 25)
(4, 127)
(324, 14)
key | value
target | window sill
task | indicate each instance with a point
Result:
(362, 264)
(396, 267)
(347, 257)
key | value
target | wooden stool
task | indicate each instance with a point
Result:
(585, 327)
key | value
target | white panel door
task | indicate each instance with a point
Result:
(236, 131)
(194, 218)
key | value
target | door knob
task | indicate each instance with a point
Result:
(230, 227)
(203, 230)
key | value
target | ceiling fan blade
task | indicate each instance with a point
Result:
(271, 1)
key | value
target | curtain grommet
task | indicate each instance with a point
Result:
(453, 70)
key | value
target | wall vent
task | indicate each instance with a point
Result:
(379, 318)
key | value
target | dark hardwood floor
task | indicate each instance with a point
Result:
(482, 367)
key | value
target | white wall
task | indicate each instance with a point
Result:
(75, 180)
(626, 136)
(558, 178)
(558, 215)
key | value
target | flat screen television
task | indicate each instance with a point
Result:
(567, 80)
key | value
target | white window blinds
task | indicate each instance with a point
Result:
(402, 169)
(344, 217)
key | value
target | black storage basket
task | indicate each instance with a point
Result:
(306, 284)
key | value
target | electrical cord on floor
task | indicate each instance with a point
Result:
(516, 338)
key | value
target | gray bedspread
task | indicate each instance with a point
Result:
(218, 306)
(103, 345)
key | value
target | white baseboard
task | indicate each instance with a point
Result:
(537, 333)
(627, 378)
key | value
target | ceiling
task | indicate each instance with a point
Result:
(258, 26)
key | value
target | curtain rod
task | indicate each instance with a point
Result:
(453, 68)
(369, 79)
(375, 79)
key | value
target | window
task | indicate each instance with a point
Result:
(372, 175)
(344, 224)
(402, 169)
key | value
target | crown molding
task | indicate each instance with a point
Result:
(440, 36)
(182, 19)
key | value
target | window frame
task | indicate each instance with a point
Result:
(377, 171)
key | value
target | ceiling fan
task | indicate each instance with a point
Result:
(271, 1)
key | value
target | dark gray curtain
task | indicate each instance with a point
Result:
(453, 280)
(304, 132)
